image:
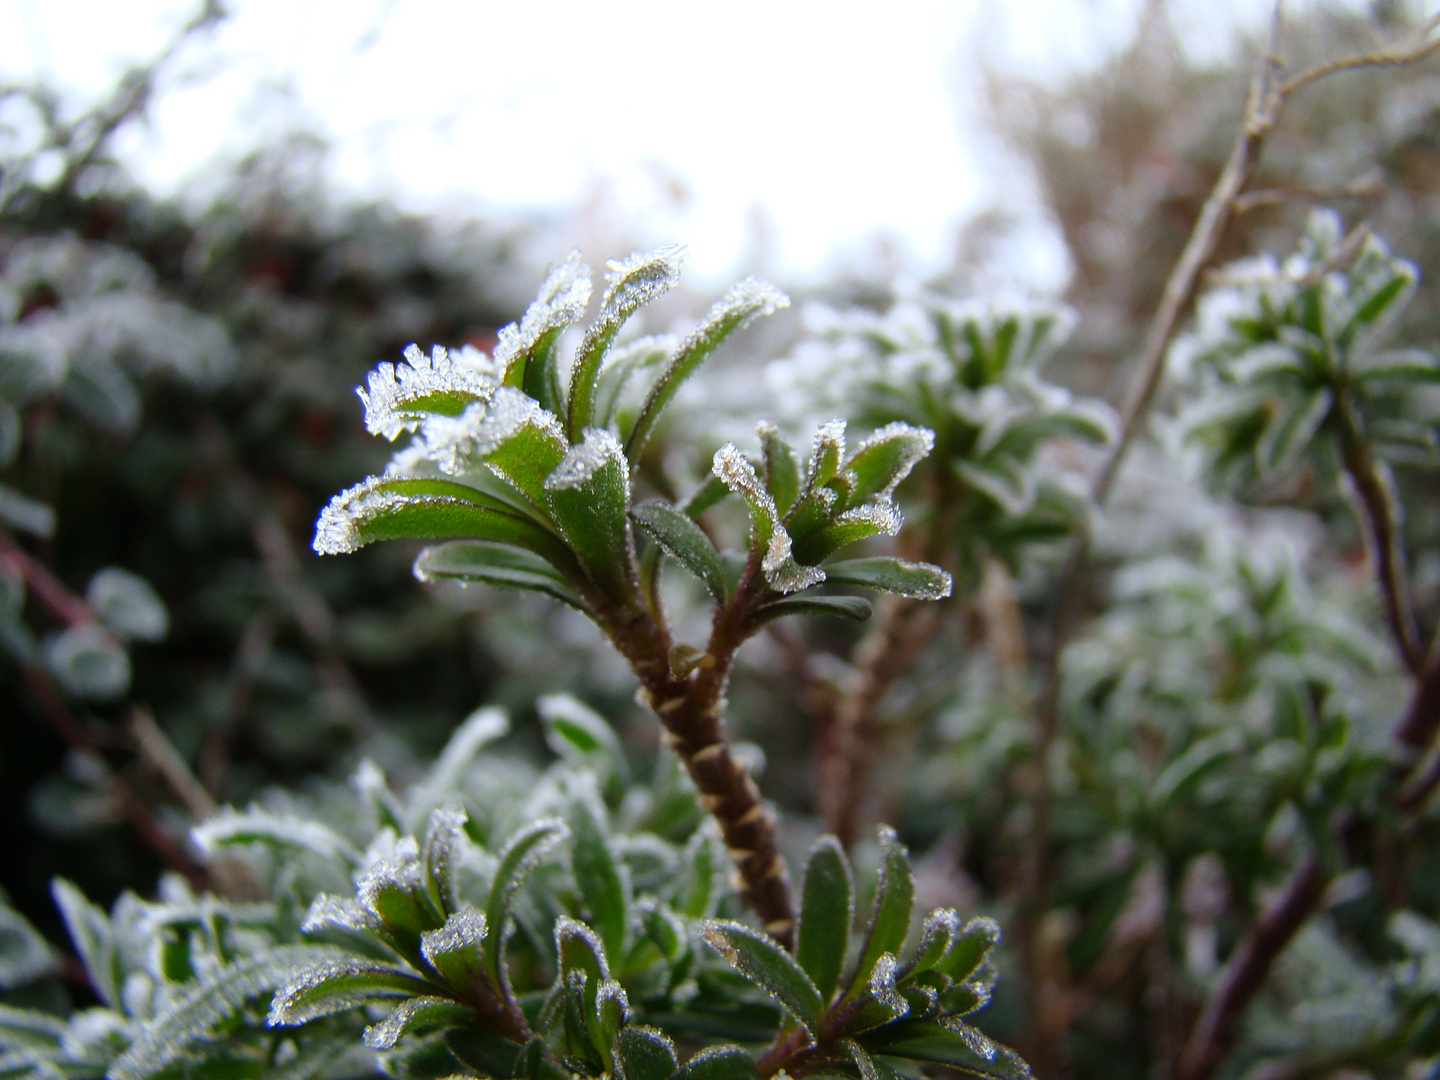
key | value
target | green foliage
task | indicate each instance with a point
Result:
(969, 373)
(1290, 364)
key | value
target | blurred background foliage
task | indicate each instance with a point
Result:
(177, 402)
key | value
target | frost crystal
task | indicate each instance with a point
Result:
(645, 276)
(561, 301)
(392, 390)
(583, 460)
(917, 443)
(748, 299)
(782, 572)
(566, 927)
(465, 929)
(401, 871)
(452, 442)
(826, 450)
(384, 1035)
(338, 530)
(736, 472)
(329, 910)
(885, 516)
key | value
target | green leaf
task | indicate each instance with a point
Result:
(826, 912)
(826, 452)
(621, 365)
(953, 1042)
(631, 283)
(870, 1068)
(727, 1062)
(768, 538)
(684, 541)
(588, 495)
(526, 351)
(969, 949)
(202, 1013)
(712, 491)
(1397, 365)
(489, 1055)
(873, 518)
(769, 967)
(416, 1016)
(424, 508)
(782, 468)
(1190, 767)
(127, 605)
(746, 300)
(499, 565)
(520, 442)
(1375, 305)
(398, 397)
(338, 985)
(29, 1029)
(580, 950)
(91, 935)
(519, 857)
(918, 581)
(883, 460)
(457, 952)
(642, 1053)
(849, 607)
(894, 896)
(599, 879)
(699, 893)
(580, 735)
(231, 827)
(877, 1003)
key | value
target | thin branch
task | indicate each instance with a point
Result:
(1421, 45)
(157, 751)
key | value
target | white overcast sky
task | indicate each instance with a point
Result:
(831, 120)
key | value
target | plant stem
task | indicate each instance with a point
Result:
(690, 706)
(1377, 513)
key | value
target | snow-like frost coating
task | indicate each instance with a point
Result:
(587, 457)
(829, 435)
(918, 443)
(390, 387)
(330, 910)
(782, 572)
(464, 929)
(885, 516)
(560, 302)
(566, 927)
(454, 442)
(337, 532)
(400, 871)
(645, 276)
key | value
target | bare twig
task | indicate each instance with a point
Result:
(1421, 45)
(157, 751)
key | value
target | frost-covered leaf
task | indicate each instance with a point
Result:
(457, 951)
(883, 460)
(517, 439)
(576, 732)
(845, 607)
(782, 467)
(747, 300)
(24, 953)
(309, 991)
(684, 541)
(601, 881)
(894, 896)
(719, 1063)
(526, 352)
(393, 508)
(630, 284)
(94, 941)
(202, 1012)
(918, 581)
(442, 781)
(24, 514)
(526, 848)
(950, 1042)
(88, 662)
(969, 949)
(416, 1016)
(872, 518)
(398, 396)
(499, 565)
(229, 827)
(30, 1029)
(643, 1053)
(588, 495)
(127, 604)
(769, 967)
(826, 912)
(767, 535)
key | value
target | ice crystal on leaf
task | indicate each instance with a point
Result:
(583, 460)
(398, 396)
(561, 301)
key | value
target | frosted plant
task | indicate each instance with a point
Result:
(533, 483)
(532, 924)
(970, 373)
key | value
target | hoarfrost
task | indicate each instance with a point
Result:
(566, 927)
(385, 1034)
(451, 442)
(260, 826)
(645, 276)
(400, 870)
(339, 911)
(561, 301)
(586, 458)
(829, 442)
(782, 572)
(390, 388)
(918, 443)
(747, 300)
(885, 516)
(289, 1009)
(465, 929)
(735, 472)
